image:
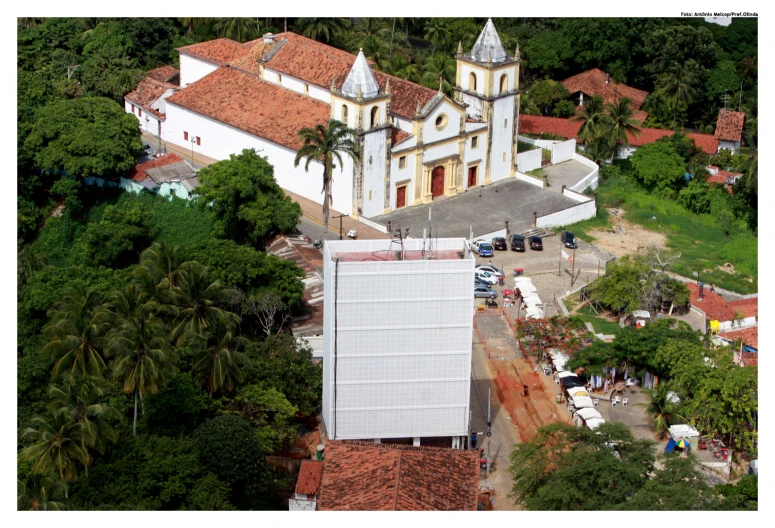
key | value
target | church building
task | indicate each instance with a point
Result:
(416, 143)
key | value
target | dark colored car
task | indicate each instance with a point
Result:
(568, 240)
(480, 282)
(517, 243)
(536, 243)
(499, 243)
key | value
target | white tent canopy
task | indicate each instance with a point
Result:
(559, 359)
(594, 423)
(519, 280)
(641, 314)
(581, 401)
(565, 374)
(534, 313)
(576, 392)
(588, 413)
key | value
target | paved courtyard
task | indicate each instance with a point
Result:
(567, 173)
(509, 199)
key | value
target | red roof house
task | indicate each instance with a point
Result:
(596, 82)
(729, 126)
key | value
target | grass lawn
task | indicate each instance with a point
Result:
(601, 326)
(524, 147)
(701, 239)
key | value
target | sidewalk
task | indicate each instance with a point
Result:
(311, 210)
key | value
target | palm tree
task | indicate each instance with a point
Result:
(41, 493)
(677, 86)
(591, 118)
(326, 144)
(321, 29)
(374, 48)
(195, 300)
(160, 265)
(439, 66)
(367, 27)
(662, 407)
(240, 29)
(399, 67)
(28, 262)
(619, 123)
(57, 444)
(139, 345)
(80, 396)
(190, 23)
(76, 331)
(437, 32)
(218, 358)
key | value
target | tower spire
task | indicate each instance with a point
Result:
(488, 44)
(360, 79)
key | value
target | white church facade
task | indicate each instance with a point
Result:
(416, 143)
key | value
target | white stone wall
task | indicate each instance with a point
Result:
(532, 180)
(374, 173)
(148, 122)
(438, 152)
(591, 180)
(180, 190)
(530, 160)
(563, 151)
(219, 140)
(160, 104)
(509, 73)
(297, 85)
(465, 78)
(431, 134)
(400, 177)
(192, 69)
(502, 138)
(474, 156)
(403, 124)
(571, 215)
(474, 108)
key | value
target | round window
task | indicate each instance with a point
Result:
(441, 121)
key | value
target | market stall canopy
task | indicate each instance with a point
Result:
(683, 431)
(534, 312)
(526, 287)
(594, 423)
(581, 402)
(532, 300)
(571, 381)
(588, 414)
(566, 374)
(559, 360)
(520, 280)
(577, 391)
(641, 314)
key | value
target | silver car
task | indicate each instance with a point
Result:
(484, 291)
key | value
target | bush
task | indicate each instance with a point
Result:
(609, 172)
(120, 236)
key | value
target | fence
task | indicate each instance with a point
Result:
(563, 151)
(538, 182)
(530, 160)
(591, 180)
(570, 215)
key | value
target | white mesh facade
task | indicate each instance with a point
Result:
(397, 340)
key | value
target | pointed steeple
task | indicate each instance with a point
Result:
(488, 45)
(360, 79)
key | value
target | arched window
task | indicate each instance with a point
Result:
(504, 83)
(472, 82)
(374, 116)
(344, 114)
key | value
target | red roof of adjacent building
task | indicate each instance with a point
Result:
(750, 359)
(397, 136)
(749, 336)
(309, 477)
(219, 51)
(592, 82)
(369, 476)
(152, 87)
(729, 126)
(567, 128)
(721, 176)
(138, 172)
(258, 107)
(716, 308)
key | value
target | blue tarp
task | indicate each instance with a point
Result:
(670, 446)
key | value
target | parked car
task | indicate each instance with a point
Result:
(492, 269)
(568, 240)
(536, 243)
(517, 243)
(478, 281)
(482, 248)
(499, 243)
(486, 276)
(484, 291)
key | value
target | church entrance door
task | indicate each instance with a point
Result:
(401, 196)
(472, 176)
(437, 181)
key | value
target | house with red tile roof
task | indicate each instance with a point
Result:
(722, 315)
(596, 82)
(307, 486)
(745, 343)
(722, 177)
(729, 129)
(366, 476)
(417, 144)
(167, 174)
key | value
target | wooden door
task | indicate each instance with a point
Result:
(401, 196)
(437, 182)
(472, 176)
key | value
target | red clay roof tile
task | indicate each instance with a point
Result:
(397, 136)
(706, 142)
(258, 107)
(220, 51)
(165, 74)
(368, 476)
(138, 173)
(729, 126)
(716, 308)
(309, 477)
(152, 87)
(592, 82)
(751, 359)
(749, 336)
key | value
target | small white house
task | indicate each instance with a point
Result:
(168, 175)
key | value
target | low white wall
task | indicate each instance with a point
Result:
(571, 215)
(591, 180)
(543, 143)
(372, 224)
(563, 151)
(527, 161)
(573, 195)
(538, 182)
(491, 235)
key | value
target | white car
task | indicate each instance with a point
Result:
(491, 269)
(486, 276)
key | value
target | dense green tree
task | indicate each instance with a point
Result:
(84, 137)
(241, 29)
(57, 444)
(740, 40)
(228, 448)
(439, 67)
(677, 85)
(620, 124)
(659, 166)
(151, 38)
(568, 468)
(41, 493)
(326, 144)
(218, 360)
(546, 94)
(322, 29)
(179, 408)
(247, 201)
(119, 237)
(160, 265)
(599, 43)
(741, 496)
(591, 119)
(210, 494)
(677, 485)
(195, 301)
(678, 45)
(270, 413)
(76, 331)
(548, 53)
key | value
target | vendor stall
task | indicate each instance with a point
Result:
(581, 402)
(686, 432)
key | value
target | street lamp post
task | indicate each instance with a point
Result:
(340, 223)
(193, 138)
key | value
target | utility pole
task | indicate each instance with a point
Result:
(340, 223)
(573, 268)
(193, 138)
(489, 431)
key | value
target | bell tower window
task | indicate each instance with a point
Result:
(504, 83)
(472, 82)
(344, 114)
(374, 116)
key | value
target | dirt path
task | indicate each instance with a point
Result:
(625, 238)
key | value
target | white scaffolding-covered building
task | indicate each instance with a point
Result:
(397, 339)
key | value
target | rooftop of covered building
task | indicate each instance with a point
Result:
(597, 82)
(396, 250)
